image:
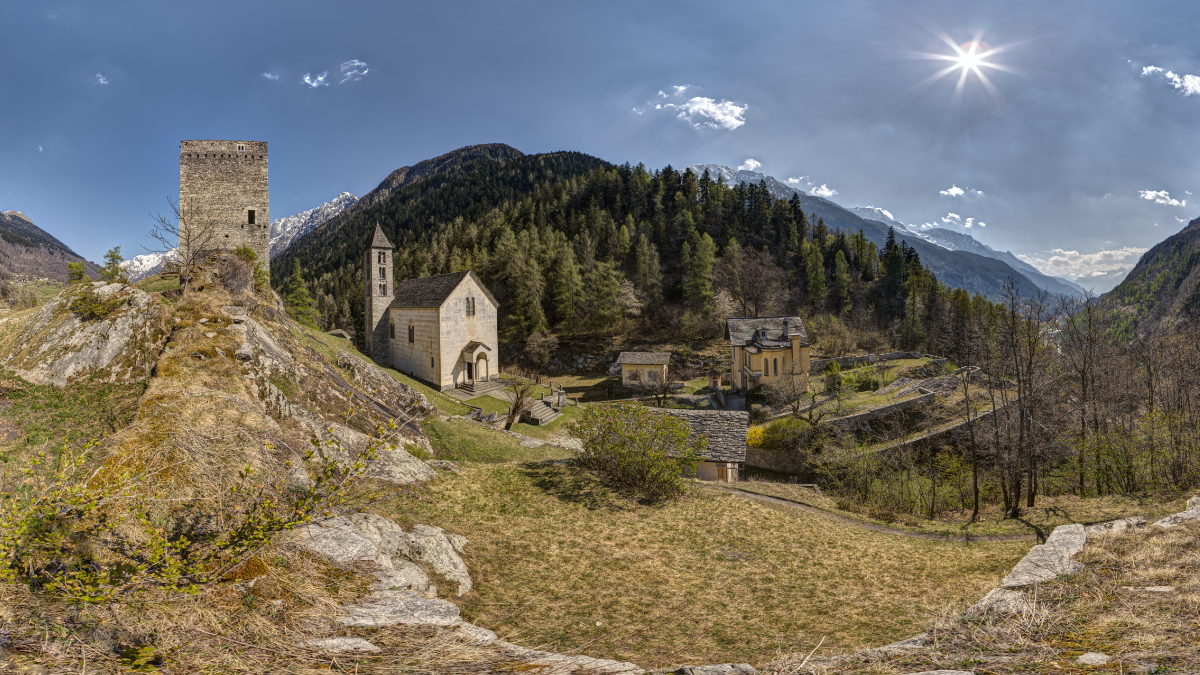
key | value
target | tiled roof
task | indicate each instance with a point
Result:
(379, 240)
(779, 331)
(432, 291)
(724, 429)
(645, 358)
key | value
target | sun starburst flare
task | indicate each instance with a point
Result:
(967, 59)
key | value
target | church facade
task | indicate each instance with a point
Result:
(441, 330)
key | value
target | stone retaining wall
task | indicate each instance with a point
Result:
(851, 422)
(818, 365)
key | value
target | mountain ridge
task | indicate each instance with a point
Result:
(26, 248)
(1163, 288)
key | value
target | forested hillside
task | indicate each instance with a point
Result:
(572, 244)
(1162, 289)
(26, 248)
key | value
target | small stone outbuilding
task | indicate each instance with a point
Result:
(726, 433)
(643, 368)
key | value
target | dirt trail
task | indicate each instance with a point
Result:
(966, 538)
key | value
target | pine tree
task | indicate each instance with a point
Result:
(297, 300)
(112, 265)
(527, 286)
(815, 269)
(841, 281)
(698, 290)
(568, 288)
(649, 276)
(603, 290)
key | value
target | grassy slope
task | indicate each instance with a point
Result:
(561, 562)
(463, 441)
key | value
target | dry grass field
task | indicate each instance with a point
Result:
(562, 563)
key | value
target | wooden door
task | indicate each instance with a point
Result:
(722, 474)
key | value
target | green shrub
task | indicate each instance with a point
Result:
(77, 273)
(91, 307)
(639, 450)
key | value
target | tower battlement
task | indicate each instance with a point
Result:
(224, 185)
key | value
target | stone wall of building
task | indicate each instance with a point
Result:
(418, 358)
(220, 184)
(458, 329)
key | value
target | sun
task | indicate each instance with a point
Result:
(968, 61)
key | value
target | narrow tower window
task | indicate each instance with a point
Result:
(392, 327)
(382, 258)
(411, 334)
(250, 217)
(383, 288)
(382, 274)
(241, 148)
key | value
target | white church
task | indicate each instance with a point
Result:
(440, 330)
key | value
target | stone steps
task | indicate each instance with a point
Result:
(481, 387)
(541, 414)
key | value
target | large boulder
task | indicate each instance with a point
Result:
(106, 331)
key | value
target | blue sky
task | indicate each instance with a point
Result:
(1086, 145)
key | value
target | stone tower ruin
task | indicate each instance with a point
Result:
(223, 190)
(379, 292)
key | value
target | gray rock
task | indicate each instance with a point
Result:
(1193, 503)
(1092, 659)
(472, 634)
(1160, 589)
(386, 535)
(1050, 560)
(342, 644)
(718, 669)
(1116, 525)
(389, 608)
(1002, 601)
(396, 465)
(431, 546)
(404, 575)
(337, 539)
(444, 464)
(210, 335)
(1179, 518)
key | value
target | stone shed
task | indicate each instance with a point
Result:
(726, 434)
(646, 368)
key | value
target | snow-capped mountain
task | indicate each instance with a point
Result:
(732, 177)
(1101, 282)
(288, 229)
(147, 265)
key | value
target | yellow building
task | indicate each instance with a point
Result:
(643, 368)
(764, 348)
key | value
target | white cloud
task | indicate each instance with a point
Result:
(796, 180)
(1188, 84)
(662, 93)
(824, 191)
(1161, 197)
(968, 223)
(954, 191)
(270, 76)
(951, 218)
(1177, 218)
(680, 88)
(353, 70)
(1073, 264)
(100, 79)
(39, 148)
(924, 226)
(750, 165)
(317, 81)
(702, 111)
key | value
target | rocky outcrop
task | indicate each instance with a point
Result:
(1049, 560)
(117, 342)
(1191, 513)
(383, 387)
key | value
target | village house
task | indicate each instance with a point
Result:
(725, 430)
(440, 330)
(643, 368)
(763, 348)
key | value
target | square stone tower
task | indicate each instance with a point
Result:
(380, 290)
(223, 185)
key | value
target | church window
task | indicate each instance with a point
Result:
(392, 328)
(776, 366)
(470, 306)
(382, 258)
(382, 273)
(383, 288)
(250, 217)
(411, 334)
(241, 148)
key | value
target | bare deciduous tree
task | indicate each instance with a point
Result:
(524, 383)
(790, 389)
(186, 232)
(757, 285)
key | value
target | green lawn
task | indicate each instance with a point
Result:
(558, 427)
(158, 284)
(489, 404)
(463, 441)
(34, 416)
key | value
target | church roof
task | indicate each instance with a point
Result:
(769, 332)
(379, 240)
(433, 291)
